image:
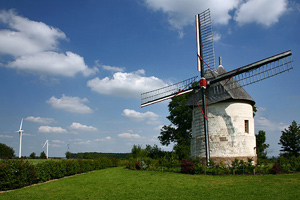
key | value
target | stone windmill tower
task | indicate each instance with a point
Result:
(230, 122)
(223, 124)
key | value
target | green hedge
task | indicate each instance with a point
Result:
(19, 173)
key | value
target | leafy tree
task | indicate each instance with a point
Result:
(261, 146)
(180, 131)
(32, 155)
(154, 152)
(290, 140)
(138, 152)
(43, 155)
(6, 152)
(68, 155)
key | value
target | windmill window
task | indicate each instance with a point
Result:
(246, 126)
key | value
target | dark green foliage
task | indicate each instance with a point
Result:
(32, 155)
(290, 140)
(180, 131)
(260, 145)
(6, 152)
(43, 155)
(17, 173)
(68, 155)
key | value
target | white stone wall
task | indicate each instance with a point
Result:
(226, 128)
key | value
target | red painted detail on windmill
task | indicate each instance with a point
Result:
(203, 82)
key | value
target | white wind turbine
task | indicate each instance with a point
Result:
(20, 135)
(47, 148)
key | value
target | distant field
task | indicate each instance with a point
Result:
(120, 183)
(36, 161)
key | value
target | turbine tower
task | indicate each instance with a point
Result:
(47, 148)
(20, 135)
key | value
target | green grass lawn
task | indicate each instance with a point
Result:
(120, 183)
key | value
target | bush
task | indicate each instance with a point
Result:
(187, 167)
(276, 168)
(17, 173)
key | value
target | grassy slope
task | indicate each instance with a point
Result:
(119, 183)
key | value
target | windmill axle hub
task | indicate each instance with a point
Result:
(204, 83)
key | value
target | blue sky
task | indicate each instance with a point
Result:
(74, 70)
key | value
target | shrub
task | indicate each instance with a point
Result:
(276, 168)
(16, 174)
(187, 167)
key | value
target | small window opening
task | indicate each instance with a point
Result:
(246, 126)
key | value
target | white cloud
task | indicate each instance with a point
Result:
(80, 127)
(182, 13)
(57, 142)
(32, 44)
(263, 123)
(6, 136)
(129, 135)
(108, 138)
(265, 12)
(70, 104)
(26, 36)
(40, 120)
(148, 117)
(125, 84)
(49, 129)
(112, 68)
(52, 63)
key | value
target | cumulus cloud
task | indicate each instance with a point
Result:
(40, 120)
(70, 104)
(181, 13)
(80, 127)
(52, 63)
(263, 123)
(26, 36)
(33, 44)
(265, 12)
(113, 68)
(108, 138)
(129, 135)
(49, 129)
(6, 136)
(148, 117)
(125, 84)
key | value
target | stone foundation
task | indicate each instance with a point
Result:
(227, 160)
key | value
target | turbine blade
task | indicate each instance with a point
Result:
(44, 144)
(21, 124)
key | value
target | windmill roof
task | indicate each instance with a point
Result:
(222, 91)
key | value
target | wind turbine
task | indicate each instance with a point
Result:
(47, 148)
(20, 135)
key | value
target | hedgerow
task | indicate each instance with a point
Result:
(19, 173)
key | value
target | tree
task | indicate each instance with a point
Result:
(43, 155)
(68, 155)
(260, 145)
(180, 131)
(290, 140)
(6, 152)
(138, 152)
(32, 155)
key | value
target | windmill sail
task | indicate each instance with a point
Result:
(205, 42)
(253, 73)
(167, 92)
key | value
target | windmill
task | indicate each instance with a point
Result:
(211, 84)
(20, 131)
(46, 143)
